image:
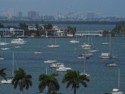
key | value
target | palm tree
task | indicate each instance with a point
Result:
(22, 80)
(2, 73)
(74, 79)
(71, 30)
(48, 81)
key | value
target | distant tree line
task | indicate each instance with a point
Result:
(41, 30)
(118, 30)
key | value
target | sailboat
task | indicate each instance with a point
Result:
(1, 58)
(74, 40)
(84, 72)
(5, 48)
(107, 55)
(86, 45)
(55, 45)
(50, 61)
(106, 41)
(3, 42)
(18, 41)
(86, 54)
(117, 90)
(38, 51)
(9, 79)
(63, 68)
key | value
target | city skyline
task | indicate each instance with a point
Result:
(53, 7)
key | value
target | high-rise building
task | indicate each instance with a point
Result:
(91, 16)
(33, 14)
(20, 14)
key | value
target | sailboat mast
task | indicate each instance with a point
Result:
(84, 64)
(118, 78)
(13, 64)
(55, 40)
(46, 74)
(46, 69)
(110, 43)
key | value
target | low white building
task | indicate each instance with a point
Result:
(32, 28)
(9, 32)
(60, 33)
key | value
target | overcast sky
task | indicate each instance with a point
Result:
(51, 7)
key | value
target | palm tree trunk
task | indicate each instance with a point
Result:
(75, 90)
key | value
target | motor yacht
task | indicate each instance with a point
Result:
(18, 41)
(63, 68)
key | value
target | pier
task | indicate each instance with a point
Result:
(89, 33)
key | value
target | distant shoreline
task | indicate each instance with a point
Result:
(61, 22)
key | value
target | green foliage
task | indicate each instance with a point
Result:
(74, 79)
(119, 29)
(21, 79)
(2, 73)
(23, 26)
(48, 81)
(71, 30)
(40, 31)
(48, 26)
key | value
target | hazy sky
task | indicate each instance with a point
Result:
(101, 7)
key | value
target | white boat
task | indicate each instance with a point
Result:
(74, 41)
(5, 48)
(111, 64)
(84, 70)
(37, 52)
(56, 65)
(105, 56)
(18, 41)
(63, 68)
(108, 54)
(83, 73)
(3, 43)
(17, 46)
(86, 46)
(92, 50)
(50, 61)
(83, 56)
(1, 58)
(117, 90)
(53, 46)
(105, 43)
(9, 79)
(87, 54)
(106, 40)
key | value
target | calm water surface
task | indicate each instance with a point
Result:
(102, 78)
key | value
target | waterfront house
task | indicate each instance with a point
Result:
(11, 32)
(32, 28)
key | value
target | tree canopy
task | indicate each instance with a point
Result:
(74, 79)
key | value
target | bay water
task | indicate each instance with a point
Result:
(102, 78)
